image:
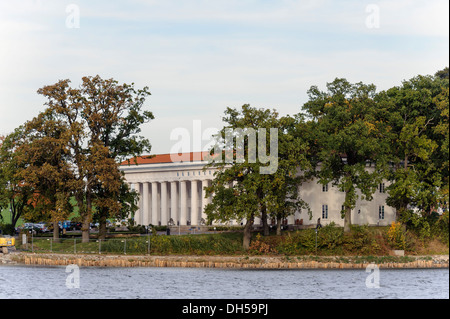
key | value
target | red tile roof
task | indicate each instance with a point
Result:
(166, 158)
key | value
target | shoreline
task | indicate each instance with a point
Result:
(227, 262)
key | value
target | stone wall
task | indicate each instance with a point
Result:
(257, 262)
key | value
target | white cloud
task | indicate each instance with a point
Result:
(199, 57)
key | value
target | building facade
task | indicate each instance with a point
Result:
(172, 193)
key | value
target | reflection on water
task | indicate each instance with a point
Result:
(196, 283)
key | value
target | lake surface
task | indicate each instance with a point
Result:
(35, 282)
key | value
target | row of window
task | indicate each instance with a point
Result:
(325, 211)
(199, 173)
(380, 188)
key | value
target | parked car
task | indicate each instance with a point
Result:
(32, 227)
(42, 226)
(75, 226)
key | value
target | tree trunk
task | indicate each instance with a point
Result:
(279, 220)
(348, 215)
(85, 225)
(347, 220)
(248, 232)
(102, 225)
(56, 238)
(86, 220)
(264, 220)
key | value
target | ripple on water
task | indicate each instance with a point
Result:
(197, 283)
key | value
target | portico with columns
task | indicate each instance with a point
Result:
(170, 192)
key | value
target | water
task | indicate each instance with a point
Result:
(26, 282)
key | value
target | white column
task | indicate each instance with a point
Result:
(155, 204)
(174, 202)
(194, 203)
(183, 203)
(130, 186)
(291, 219)
(145, 204)
(138, 213)
(204, 200)
(164, 213)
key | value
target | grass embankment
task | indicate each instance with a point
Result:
(373, 242)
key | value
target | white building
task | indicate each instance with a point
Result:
(173, 190)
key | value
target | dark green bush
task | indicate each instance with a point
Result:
(7, 229)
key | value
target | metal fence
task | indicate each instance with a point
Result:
(138, 245)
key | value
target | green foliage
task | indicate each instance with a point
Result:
(15, 195)
(361, 240)
(7, 229)
(349, 135)
(330, 236)
(441, 228)
(417, 117)
(427, 226)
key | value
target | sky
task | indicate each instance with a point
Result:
(199, 57)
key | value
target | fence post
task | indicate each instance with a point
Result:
(51, 244)
(99, 246)
(75, 246)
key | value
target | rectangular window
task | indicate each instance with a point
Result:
(380, 212)
(342, 210)
(381, 187)
(324, 211)
(325, 188)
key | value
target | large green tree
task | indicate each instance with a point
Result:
(15, 195)
(248, 184)
(417, 113)
(349, 137)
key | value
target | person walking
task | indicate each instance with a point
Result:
(318, 224)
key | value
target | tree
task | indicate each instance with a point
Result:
(349, 136)
(15, 195)
(47, 170)
(418, 152)
(282, 191)
(103, 119)
(242, 188)
(442, 74)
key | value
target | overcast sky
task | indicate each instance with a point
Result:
(200, 56)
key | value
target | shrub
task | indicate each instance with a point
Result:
(396, 236)
(441, 228)
(288, 246)
(259, 247)
(360, 240)
(330, 236)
